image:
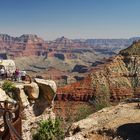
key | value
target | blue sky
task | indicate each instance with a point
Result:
(71, 18)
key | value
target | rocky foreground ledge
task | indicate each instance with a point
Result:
(113, 123)
(36, 101)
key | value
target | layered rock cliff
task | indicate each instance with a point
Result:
(30, 44)
(109, 81)
(131, 57)
(116, 80)
(25, 45)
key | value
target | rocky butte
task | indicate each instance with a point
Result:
(116, 80)
(25, 45)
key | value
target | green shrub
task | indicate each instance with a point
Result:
(8, 86)
(100, 106)
(83, 112)
(101, 103)
(49, 130)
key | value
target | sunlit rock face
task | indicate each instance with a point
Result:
(109, 80)
(116, 80)
(32, 90)
(131, 57)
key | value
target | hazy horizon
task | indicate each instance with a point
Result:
(67, 37)
(74, 19)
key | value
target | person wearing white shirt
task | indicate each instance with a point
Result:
(23, 75)
(2, 72)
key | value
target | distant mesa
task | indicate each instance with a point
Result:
(63, 40)
(29, 37)
(22, 38)
(31, 44)
(6, 38)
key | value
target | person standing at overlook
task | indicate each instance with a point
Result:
(2, 73)
(23, 75)
(17, 75)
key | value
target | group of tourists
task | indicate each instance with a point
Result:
(17, 75)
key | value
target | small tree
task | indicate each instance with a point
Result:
(49, 130)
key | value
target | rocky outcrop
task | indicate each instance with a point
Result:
(6, 38)
(5, 97)
(25, 45)
(36, 102)
(116, 80)
(108, 81)
(32, 90)
(32, 93)
(30, 120)
(47, 89)
(117, 122)
(79, 91)
(42, 93)
(29, 38)
(132, 60)
(132, 50)
(63, 40)
(22, 97)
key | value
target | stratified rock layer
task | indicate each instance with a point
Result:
(110, 80)
(118, 79)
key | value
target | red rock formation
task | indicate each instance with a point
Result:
(107, 80)
(80, 91)
(24, 45)
(118, 79)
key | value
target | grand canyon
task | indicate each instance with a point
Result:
(69, 70)
(87, 72)
(63, 60)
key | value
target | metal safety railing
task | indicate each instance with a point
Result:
(11, 121)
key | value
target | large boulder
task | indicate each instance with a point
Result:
(32, 90)
(47, 89)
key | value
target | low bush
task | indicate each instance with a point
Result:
(8, 86)
(49, 130)
(83, 112)
(101, 105)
